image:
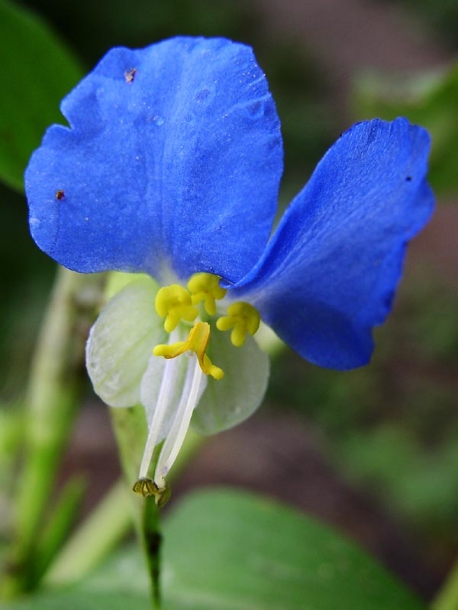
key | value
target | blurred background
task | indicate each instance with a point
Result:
(373, 451)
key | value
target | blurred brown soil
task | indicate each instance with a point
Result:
(275, 453)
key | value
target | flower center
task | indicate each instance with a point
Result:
(180, 307)
(177, 304)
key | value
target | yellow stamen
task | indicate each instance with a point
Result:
(205, 287)
(243, 319)
(174, 302)
(196, 342)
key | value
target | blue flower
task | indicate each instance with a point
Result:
(171, 167)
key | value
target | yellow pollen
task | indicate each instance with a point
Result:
(242, 319)
(205, 287)
(175, 304)
(196, 342)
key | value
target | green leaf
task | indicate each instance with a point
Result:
(37, 71)
(229, 401)
(230, 551)
(121, 342)
(239, 552)
(84, 600)
(427, 99)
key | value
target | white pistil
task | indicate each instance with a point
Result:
(171, 370)
(192, 391)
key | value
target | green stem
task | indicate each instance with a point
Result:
(152, 544)
(94, 539)
(447, 598)
(52, 399)
(112, 519)
(130, 429)
(57, 529)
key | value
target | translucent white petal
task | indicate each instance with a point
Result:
(231, 400)
(121, 341)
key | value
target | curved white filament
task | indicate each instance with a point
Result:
(171, 373)
(194, 385)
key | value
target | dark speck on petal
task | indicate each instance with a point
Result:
(204, 96)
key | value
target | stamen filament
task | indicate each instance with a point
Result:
(175, 438)
(163, 402)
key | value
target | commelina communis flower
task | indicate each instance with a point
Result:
(170, 168)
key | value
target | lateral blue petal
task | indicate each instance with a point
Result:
(329, 274)
(173, 152)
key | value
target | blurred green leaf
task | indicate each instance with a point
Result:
(58, 526)
(427, 99)
(227, 550)
(84, 600)
(121, 583)
(230, 550)
(37, 71)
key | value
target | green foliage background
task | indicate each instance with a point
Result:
(391, 428)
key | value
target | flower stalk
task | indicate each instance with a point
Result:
(130, 430)
(52, 400)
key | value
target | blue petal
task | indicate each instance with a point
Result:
(173, 152)
(329, 274)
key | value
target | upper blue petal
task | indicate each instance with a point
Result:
(173, 152)
(329, 274)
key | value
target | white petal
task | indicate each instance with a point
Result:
(231, 400)
(121, 342)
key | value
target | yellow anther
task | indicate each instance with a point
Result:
(205, 287)
(175, 303)
(243, 319)
(196, 342)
